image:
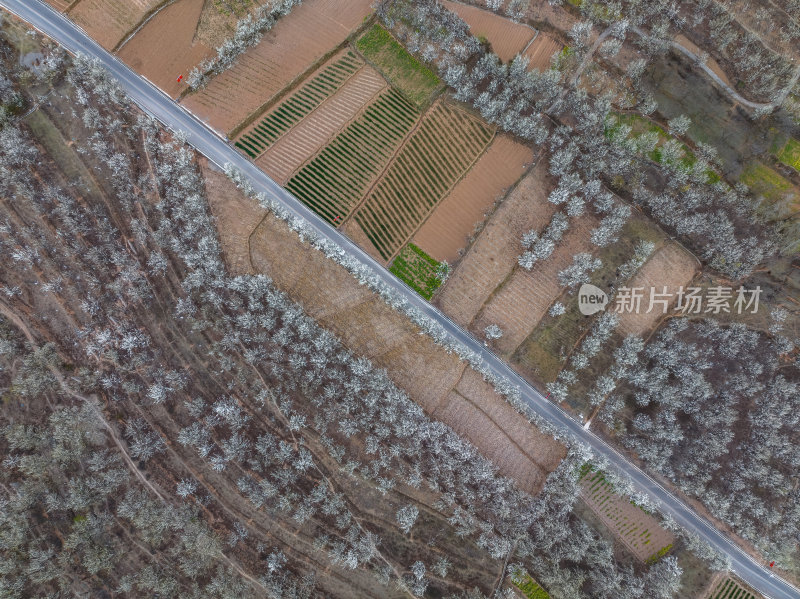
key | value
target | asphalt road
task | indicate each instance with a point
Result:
(216, 148)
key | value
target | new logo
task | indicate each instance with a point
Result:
(591, 299)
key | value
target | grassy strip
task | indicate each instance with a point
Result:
(529, 587)
(418, 270)
(790, 154)
(410, 76)
(641, 126)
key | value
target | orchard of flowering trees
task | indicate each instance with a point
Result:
(723, 428)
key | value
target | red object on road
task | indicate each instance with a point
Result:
(771, 564)
(179, 78)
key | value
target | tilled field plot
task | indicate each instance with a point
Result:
(728, 588)
(446, 231)
(641, 533)
(494, 253)
(268, 129)
(165, 48)
(541, 50)
(522, 300)
(669, 269)
(313, 132)
(506, 37)
(433, 159)
(297, 41)
(334, 181)
(108, 21)
(59, 5)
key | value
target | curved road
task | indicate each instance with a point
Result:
(217, 149)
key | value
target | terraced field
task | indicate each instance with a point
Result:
(109, 21)
(728, 588)
(640, 532)
(334, 181)
(286, 115)
(433, 159)
(303, 141)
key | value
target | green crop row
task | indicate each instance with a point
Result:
(298, 105)
(333, 182)
(730, 589)
(439, 152)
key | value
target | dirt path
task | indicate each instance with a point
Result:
(9, 313)
(728, 89)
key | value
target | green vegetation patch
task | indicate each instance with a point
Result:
(728, 588)
(409, 75)
(233, 7)
(790, 154)
(418, 270)
(641, 129)
(529, 587)
(782, 197)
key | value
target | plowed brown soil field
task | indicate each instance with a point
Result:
(493, 255)
(165, 47)
(445, 232)
(506, 37)
(298, 40)
(540, 51)
(521, 302)
(670, 266)
(235, 217)
(59, 5)
(109, 21)
(522, 452)
(308, 137)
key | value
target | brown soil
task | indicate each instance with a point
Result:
(109, 21)
(522, 452)
(493, 255)
(670, 266)
(506, 37)
(59, 5)
(445, 232)
(308, 137)
(641, 533)
(521, 302)
(235, 214)
(438, 381)
(218, 22)
(354, 231)
(165, 47)
(298, 40)
(541, 50)
(551, 17)
(710, 63)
